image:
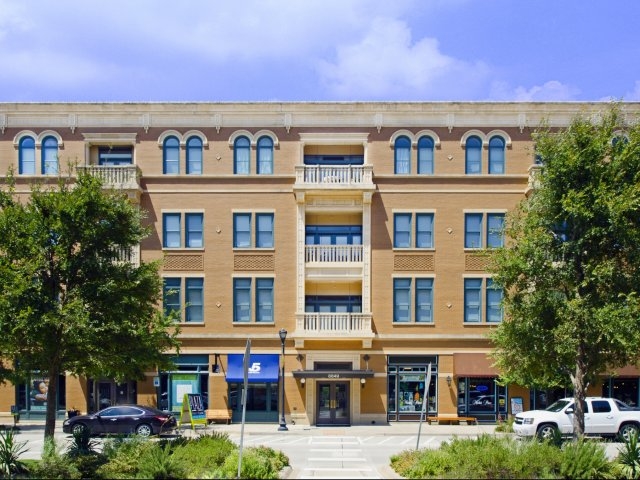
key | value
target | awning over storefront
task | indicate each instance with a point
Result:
(473, 365)
(263, 368)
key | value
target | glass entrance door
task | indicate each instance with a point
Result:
(332, 403)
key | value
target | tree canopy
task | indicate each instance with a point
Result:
(571, 267)
(72, 302)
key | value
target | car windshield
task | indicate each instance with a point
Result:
(557, 406)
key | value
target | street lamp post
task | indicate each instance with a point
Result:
(283, 423)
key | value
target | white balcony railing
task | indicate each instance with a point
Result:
(118, 177)
(331, 175)
(318, 325)
(130, 255)
(333, 253)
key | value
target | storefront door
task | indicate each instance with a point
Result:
(333, 403)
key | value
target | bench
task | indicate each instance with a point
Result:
(218, 415)
(452, 420)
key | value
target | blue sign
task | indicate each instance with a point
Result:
(482, 388)
(262, 368)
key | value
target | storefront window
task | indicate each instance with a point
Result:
(406, 388)
(32, 396)
(540, 399)
(191, 376)
(262, 401)
(481, 397)
(624, 389)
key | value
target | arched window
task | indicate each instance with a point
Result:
(171, 156)
(496, 155)
(265, 156)
(425, 156)
(194, 156)
(402, 156)
(241, 152)
(50, 156)
(473, 156)
(27, 156)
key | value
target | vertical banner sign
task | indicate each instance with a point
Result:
(193, 410)
(245, 375)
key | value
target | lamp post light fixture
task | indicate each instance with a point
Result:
(283, 423)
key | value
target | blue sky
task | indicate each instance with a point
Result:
(319, 50)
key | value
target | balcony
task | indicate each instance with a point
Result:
(335, 176)
(117, 177)
(333, 253)
(332, 326)
(129, 255)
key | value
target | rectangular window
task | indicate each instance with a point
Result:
(264, 299)
(475, 289)
(424, 300)
(475, 234)
(406, 235)
(421, 289)
(244, 229)
(171, 230)
(193, 225)
(171, 295)
(243, 290)
(172, 235)
(194, 300)
(190, 301)
(241, 299)
(264, 230)
(113, 156)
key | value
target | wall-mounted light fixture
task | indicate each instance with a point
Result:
(366, 359)
(449, 380)
(215, 368)
(363, 381)
(303, 381)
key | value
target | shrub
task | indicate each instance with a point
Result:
(159, 462)
(584, 459)
(205, 453)
(54, 464)
(257, 462)
(629, 458)
(123, 456)
(10, 451)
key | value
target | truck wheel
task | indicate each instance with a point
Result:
(546, 431)
(627, 431)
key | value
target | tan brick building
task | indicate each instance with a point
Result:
(356, 227)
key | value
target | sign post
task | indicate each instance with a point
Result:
(245, 376)
(425, 400)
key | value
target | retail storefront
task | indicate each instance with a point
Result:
(262, 387)
(191, 375)
(479, 394)
(31, 397)
(406, 386)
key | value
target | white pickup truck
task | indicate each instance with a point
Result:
(602, 417)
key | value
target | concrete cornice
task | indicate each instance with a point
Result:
(379, 115)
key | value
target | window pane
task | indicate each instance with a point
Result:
(495, 224)
(241, 154)
(50, 156)
(171, 155)
(496, 155)
(194, 156)
(402, 230)
(265, 156)
(401, 299)
(194, 300)
(472, 296)
(473, 230)
(424, 230)
(424, 300)
(171, 234)
(194, 230)
(264, 230)
(264, 294)
(27, 154)
(171, 295)
(473, 155)
(242, 300)
(402, 155)
(494, 302)
(425, 156)
(242, 230)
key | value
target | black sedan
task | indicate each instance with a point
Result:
(136, 419)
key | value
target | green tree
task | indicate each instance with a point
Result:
(571, 267)
(69, 303)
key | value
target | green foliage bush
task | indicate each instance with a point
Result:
(10, 451)
(629, 458)
(257, 462)
(504, 457)
(205, 453)
(54, 464)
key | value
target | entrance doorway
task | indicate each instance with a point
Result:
(333, 403)
(105, 393)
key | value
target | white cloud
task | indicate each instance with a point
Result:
(385, 62)
(634, 95)
(551, 91)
